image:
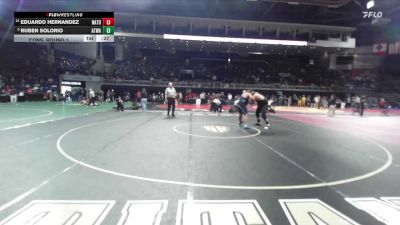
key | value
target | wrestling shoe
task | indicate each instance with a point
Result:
(246, 126)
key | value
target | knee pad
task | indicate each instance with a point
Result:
(264, 116)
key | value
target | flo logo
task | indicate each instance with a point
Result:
(216, 129)
(369, 14)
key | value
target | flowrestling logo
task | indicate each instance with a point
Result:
(371, 14)
(216, 129)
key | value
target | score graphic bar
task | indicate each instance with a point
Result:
(64, 15)
(74, 26)
(64, 38)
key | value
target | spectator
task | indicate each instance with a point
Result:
(92, 97)
(138, 96)
(332, 106)
(120, 105)
(143, 100)
(316, 101)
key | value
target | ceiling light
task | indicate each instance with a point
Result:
(234, 40)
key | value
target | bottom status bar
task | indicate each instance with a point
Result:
(63, 38)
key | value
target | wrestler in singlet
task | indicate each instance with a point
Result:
(242, 108)
(262, 109)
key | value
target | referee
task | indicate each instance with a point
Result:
(170, 94)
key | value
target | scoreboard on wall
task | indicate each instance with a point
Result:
(64, 26)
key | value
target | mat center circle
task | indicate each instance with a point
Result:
(96, 158)
(215, 131)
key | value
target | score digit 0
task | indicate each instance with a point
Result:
(108, 21)
(108, 30)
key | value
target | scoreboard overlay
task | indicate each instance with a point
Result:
(64, 26)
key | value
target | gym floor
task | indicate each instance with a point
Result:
(308, 168)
